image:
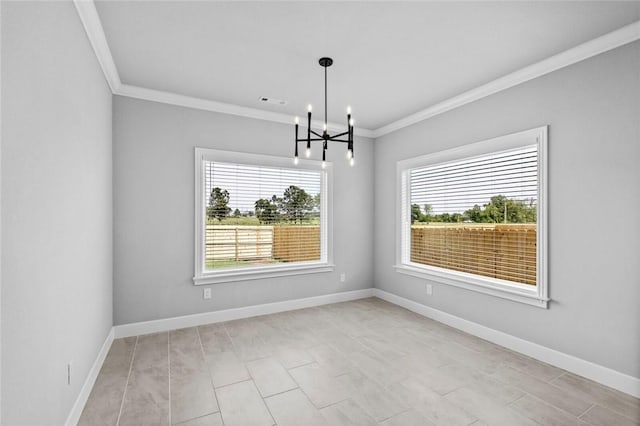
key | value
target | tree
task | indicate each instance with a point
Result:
(501, 209)
(428, 210)
(456, 218)
(316, 202)
(296, 204)
(267, 210)
(416, 214)
(218, 204)
(475, 214)
(236, 213)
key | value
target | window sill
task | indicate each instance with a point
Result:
(493, 287)
(261, 272)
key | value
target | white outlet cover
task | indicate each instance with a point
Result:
(206, 294)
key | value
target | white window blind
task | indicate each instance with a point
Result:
(478, 214)
(261, 216)
(474, 217)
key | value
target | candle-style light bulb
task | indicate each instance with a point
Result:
(295, 160)
(308, 153)
(309, 108)
(348, 110)
(324, 164)
(297, 120)
(349, 154)
(351, 162)
(351, 122)
(324, 127)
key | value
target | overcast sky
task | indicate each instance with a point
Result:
(246, 184)
(457, 186)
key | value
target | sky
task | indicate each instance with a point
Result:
(456, 186)
(248, 183)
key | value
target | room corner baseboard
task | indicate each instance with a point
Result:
(146, 327)
(598, 373)
(85, 391)
(167, 324)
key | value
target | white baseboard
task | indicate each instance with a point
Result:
(598, 373)
(167, 324)
(138, 328)
(81, 400)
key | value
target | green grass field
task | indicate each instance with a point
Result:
(216, 264)
(253, 221)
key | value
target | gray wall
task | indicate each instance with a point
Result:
(56, 211)
(1, 213)
(593, 111)
(153, 171)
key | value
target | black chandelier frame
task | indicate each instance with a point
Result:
(325, 137)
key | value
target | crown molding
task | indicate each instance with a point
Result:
(617, 38)
(93, 27)
(221, 107)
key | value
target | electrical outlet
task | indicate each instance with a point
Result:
(429, 289)
(69, 373)
(206, 294)
(343, 277)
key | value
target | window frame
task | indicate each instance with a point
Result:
(325, 264)
(537, 296)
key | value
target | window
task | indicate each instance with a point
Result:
(260, 216)
(475, 216)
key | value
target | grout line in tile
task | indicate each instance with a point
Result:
(301, 365)
(550, 404)
(587, 410)
(194, 418)
(204, 358)
(397, 414)
(596, 401)
(550, 381)
(335, 403)
(264, 401)
(235, 350)
(564, 373)
(279, 393)
(234, 383)
(524, 395)
(556, 377)
(124, 394)
(311, 402)
(453, 390)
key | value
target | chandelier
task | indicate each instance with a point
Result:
(325, 137)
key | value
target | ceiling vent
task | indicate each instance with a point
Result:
(273, 101)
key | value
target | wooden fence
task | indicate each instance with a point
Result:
(237, 242)
(280, 243)
(505, 251)
(296, 243)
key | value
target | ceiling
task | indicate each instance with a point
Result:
(391, 58)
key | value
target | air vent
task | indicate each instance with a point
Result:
(273, 101)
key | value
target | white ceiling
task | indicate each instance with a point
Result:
(391, 58)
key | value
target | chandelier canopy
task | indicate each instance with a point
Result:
(325, 137)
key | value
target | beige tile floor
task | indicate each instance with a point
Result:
(365, 362)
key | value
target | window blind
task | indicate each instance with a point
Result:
(260, 215)
(477, 215)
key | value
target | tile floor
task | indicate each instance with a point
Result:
(365, 362)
